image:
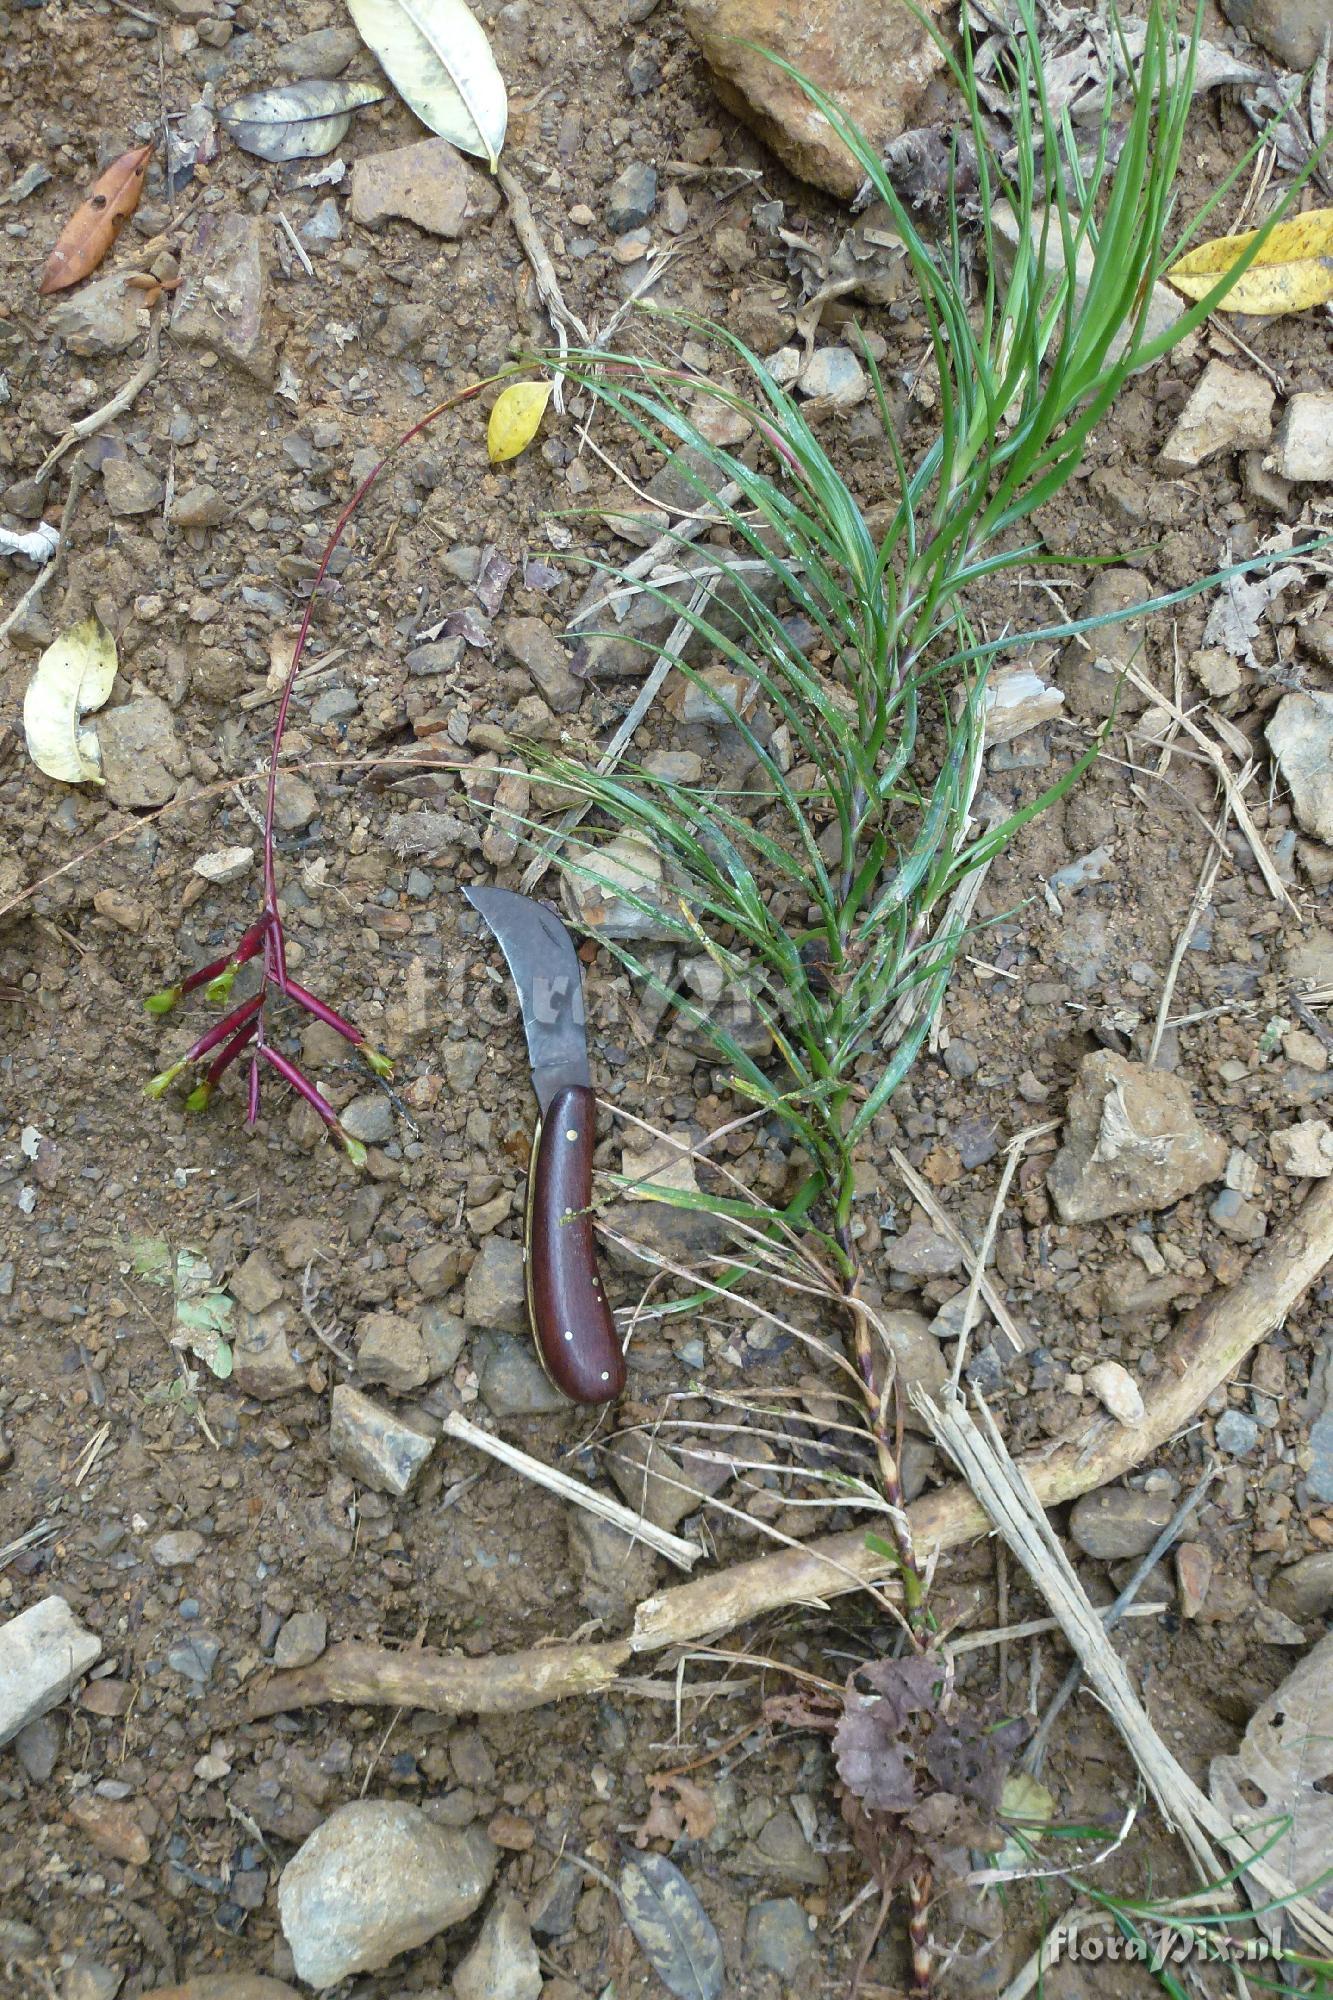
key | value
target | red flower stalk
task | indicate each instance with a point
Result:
(247, 1026)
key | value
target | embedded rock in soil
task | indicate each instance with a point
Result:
(631, 198)
(1303, 443)
(324, 53)
(1291, 30)
(835, 374)
(227, 1986)
(428, 184)
(377, 1879)
(1229, 410)
(495, 1294)
(503, 1963)
(42, 1653)
(302, 1639)
(220, 304)
(778, 1938)
(198, 506)
(129, 486)
(616, 891)
(615, 1570)
(1091, 665)
(370, 1118)
(375, 1446)
(1305, 1589)
(873, 57)
(390, 1351)
(921, 1252)
(782, 1852)
(1131, 1142)
(263, 1365)
(536, 647)
(1119, 1521)
(256, 1285)
(511, 1380)
(652, 1480)
(917, 1356)
(1300, 736)
(101, 319)
(1304, 1151)
(143, 758)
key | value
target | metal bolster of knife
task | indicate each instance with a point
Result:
(571, 1320)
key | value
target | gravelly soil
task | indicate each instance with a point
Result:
(108, 1448)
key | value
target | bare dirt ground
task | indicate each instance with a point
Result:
(145, 1830)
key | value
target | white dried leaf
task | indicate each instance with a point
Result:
(75, 674)
(436, 55)
(38, 544)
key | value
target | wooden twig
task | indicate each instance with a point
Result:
(446, 1683)
(922, 1192)
(675, 1548)
(97, 420)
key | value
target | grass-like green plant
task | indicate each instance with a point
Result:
(839, 903)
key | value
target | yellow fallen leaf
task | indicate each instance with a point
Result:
(515, 418)
(1292, 272)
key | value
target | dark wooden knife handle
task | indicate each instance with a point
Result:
(571, 1320)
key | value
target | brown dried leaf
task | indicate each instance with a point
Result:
(691, 1815)
(96, 223)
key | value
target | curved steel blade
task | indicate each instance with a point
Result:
(542, 961)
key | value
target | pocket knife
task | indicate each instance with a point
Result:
(571, 1320)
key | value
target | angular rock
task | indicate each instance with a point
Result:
(1119, 1521)
(835, 374)
(503, 1963)
(375, 1446)
(297, 802)
(324, 53)
(1238, 1217)
(1300, 736)
(1017, 701)
(428, 184)
(495, 1294)
(616, 1572)
(256, 1285)
(1230, 409)
(875, 61)
(616, 891)
(377, 1879)
(302, 1639)
(779, 1939)
(1305, 1588)
(1091, 666)
(198, 507)
(227, 1986)
(130, 486)
(390, 1351)
(1117, 1392)
(370, 1118)
(1303, 443)
(511, 1380)
(1305, 1151)
(1291, 30)
(536, 647)
(443, 1336)
(1132, 1142)
(225, 864)
(43, 1651)
(220, 304)
(632, 197)
(262, 1363)
(178, 1549)
(652, 1480)
(1236, 1434)
(920, 1252)
(100, 319)
(143, 758)
(112, 1826)
(917, 1356)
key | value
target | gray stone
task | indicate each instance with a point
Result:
(1291, 30)
(434, 1269)
(1236, 1434)
(262, 1363)
(535, 646)
(503, 1963)
(917, 1356)
(255, 1284)
(779, 1939)
(370, 1118)
(1132, 1141)
(495, 1294)
(43, 1651)
(1230, 409)
(1303, 443)
(652, 1479)
(37, 1747)
(375, 1446)
(220, 304)
(427, 183)
(296, 804)
(1305, 1588)
(390, 1351)
(143, 758)
(198, 506)
(632, 197)
(1238, 1217)
(782, 1852)
(834, 373)
(406, 326)
(178, 1549)
(921, 1252)
(302, 1639)
(194, 1657)
(617, 891)
(440, 657)
(130, 486)
(100, 319)
(89, 1979)
(511, 1380)
(325, 225)
(1300, 736)
(376, 1880)
(616, 1572)
(1091, 665)
(551, 1912)
(443, 1336)
(325, 53)
(1119, 1521)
